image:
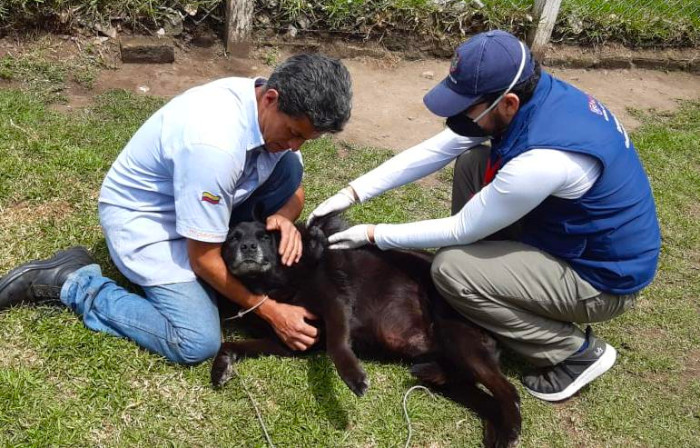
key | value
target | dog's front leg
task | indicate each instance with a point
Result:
(222, 368)
(339, 348)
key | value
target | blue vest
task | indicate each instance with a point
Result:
(610, 236)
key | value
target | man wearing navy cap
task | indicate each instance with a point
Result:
(552, 224)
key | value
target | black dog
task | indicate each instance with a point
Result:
(377, 303)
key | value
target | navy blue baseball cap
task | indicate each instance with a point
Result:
(486, 63)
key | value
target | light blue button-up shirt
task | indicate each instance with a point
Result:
(180, 176)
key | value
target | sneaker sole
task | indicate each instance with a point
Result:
(598, 368)
(59, 258)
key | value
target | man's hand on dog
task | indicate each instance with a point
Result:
(289, 322)
(290, 242)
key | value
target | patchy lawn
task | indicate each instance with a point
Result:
(63, 385)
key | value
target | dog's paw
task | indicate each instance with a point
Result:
(430, 373)
(357, 381)
(222, 369)
(495, 437)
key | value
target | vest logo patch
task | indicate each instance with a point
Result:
(593, 106)
(210, 198)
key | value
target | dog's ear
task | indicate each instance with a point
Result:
(316, 244)
(259, 212)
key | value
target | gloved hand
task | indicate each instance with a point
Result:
(355, 236)
(337, 203)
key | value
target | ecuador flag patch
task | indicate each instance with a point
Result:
(210, 198)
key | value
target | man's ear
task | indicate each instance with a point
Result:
(511, 104)
(270, 96)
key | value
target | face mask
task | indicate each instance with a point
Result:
(462, 125)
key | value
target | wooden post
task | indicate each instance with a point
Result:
(545, 14)
(239, 24)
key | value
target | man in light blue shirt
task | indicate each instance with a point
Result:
(203, 161)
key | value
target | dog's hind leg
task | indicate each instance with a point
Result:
(459, 386)
(473, 352)
(222, 368)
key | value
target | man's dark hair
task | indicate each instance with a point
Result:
(524, 90)
(314, 86)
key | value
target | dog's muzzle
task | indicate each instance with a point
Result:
(250, 260)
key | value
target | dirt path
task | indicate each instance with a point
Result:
(388, 109)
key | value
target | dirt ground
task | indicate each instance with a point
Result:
(388, 109)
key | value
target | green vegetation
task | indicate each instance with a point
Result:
(63, 385)
(634, 22)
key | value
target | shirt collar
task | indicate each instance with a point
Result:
(255, 139)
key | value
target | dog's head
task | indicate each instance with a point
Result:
(250, 250)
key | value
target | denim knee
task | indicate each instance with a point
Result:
(193, 349)
(273, 193)
(289, 168)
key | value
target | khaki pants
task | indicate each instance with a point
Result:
(528, 299)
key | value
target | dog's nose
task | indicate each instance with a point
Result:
(249, 246)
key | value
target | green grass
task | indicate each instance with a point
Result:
(44, 71)
(636, 23)
(633, 22)
(657, 23)
(63, 385)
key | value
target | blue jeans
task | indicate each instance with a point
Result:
(179, 320)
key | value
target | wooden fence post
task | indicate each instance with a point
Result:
(545, 14)
(239, 24)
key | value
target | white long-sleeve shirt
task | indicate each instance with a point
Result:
(519, 186)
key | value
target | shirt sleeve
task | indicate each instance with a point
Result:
(204, 184)
(520, 185)
(413, 163)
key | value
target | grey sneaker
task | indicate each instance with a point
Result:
(41, 280)
(563, 380)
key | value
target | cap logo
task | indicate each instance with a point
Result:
(593, 106)
(455, 63)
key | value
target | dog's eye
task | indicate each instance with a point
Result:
(264, 237)
(236, 236)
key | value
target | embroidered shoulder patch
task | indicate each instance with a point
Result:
(210, 198)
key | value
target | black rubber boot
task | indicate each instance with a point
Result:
(41, 280)
(563, 380)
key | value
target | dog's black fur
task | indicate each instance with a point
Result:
(376, 303)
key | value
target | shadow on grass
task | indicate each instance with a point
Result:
(320, 373)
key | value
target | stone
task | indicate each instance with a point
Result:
(106, 30)
(678, 64)
(649, 63)
(147, 50)
(173, 24)
(303, 22)
(615, 62)
(428, 75)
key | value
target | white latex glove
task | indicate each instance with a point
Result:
(337, 203)
(355, 236)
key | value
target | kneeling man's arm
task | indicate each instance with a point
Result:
(288, 321)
